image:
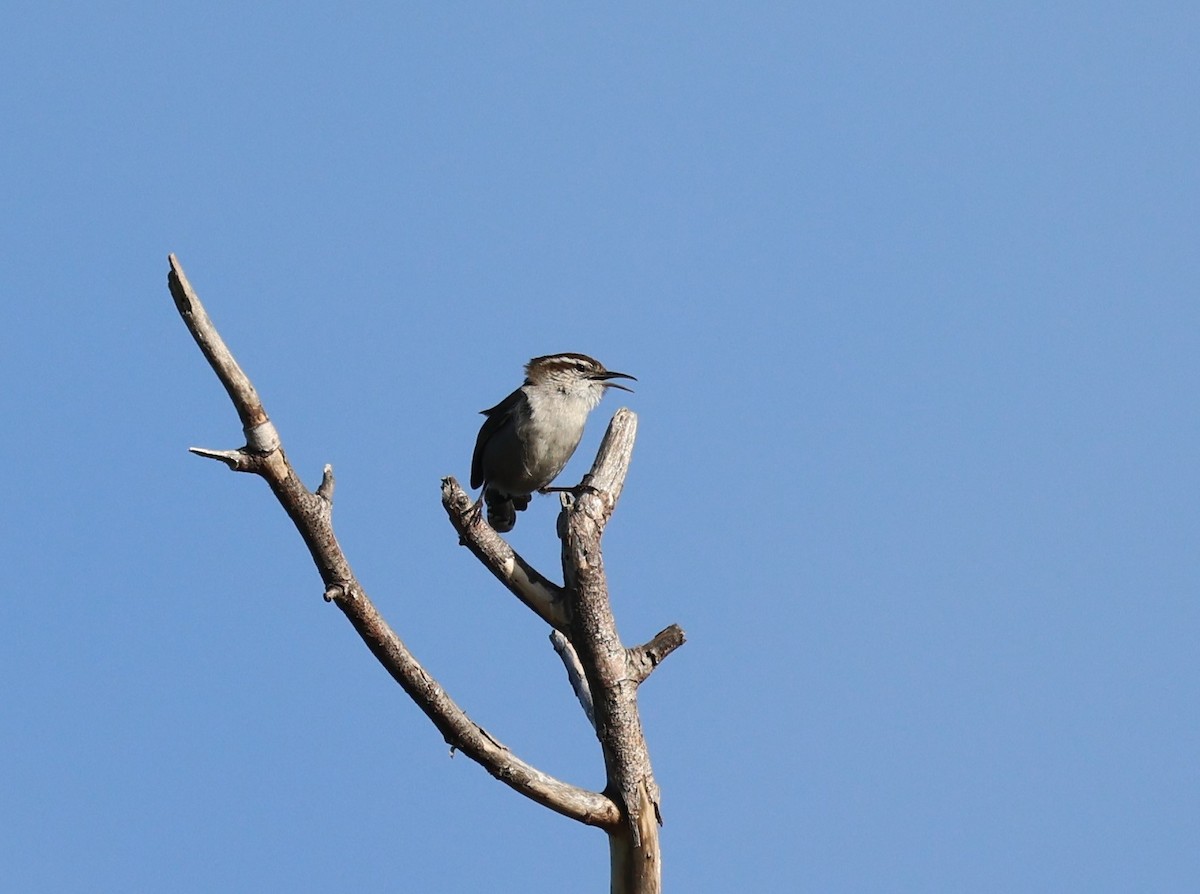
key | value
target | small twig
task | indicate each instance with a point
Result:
(575, 675)
(325, 488)
(238, 460)
(645, 658)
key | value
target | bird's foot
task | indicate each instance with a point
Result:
(476, 511)
(470, 518)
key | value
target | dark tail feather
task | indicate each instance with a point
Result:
(501, 513)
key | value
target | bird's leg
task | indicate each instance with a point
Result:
(583, 487)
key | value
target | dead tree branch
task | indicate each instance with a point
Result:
(311, 513)
(529, 585)
(604, 674)
(633, 848)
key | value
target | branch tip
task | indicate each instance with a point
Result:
(645, 658)
(325, 488)
(180, 288)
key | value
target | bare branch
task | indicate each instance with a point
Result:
(238, 460)
(458, 730)
(594, 635)
(312, 515)
(575, 675)
(645, 658)
(603, 673)
(606, 479)
(529, 585)
(261, 436)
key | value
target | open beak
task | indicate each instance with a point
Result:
(604, 377)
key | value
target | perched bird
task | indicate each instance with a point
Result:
(528, 437)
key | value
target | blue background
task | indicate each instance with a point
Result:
(911, 293)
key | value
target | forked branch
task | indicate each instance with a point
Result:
(604, 674)
(311, 513)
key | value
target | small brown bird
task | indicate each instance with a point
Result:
(529, 436)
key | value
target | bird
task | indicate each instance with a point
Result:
(528, 437)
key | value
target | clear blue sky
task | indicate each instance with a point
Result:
(913, 296)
